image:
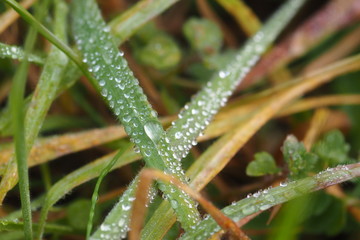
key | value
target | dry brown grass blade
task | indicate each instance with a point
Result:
(55, 147)
(316, 102)
(111, 195)
(10, 16)
(343, 48)
(216, 157)
(318, 122)
(334, 16)
(243, 15)
(221, 235)
(229, 118)
(207, 12)
(146, 177)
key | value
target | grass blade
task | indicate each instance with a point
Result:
(14, 52)
(263, 200)
(125, 97)
(95, 195)
(116, 223)
(129, 22)
(16, 101)
(6, 225)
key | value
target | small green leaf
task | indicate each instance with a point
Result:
(332, 149)
(160, 52)
(203, 35)
(263, 164)
(300, 162)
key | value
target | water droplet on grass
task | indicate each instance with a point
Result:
(249, 210)
(153, 130)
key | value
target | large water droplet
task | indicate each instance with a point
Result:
(174, 203)
(223, 74)
(264, 207)
(153, 130)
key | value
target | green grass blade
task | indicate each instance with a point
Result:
(116, 223)
(196, 115)
(16, 102)
(44, 95)
(268, 198)
(116, 81)
(76, 178)
(95, 195)
(128, 102)
(130, 21)
(6, 225)
(15, 52)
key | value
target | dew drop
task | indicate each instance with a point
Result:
(223, 74)
(283, 184)
(147, 153)
(269, 198)
(126, 207)
(105, 228)
(121, 222)
(127, 118)
(96, 68)
(104, 92)
(264, 207)
(249, 210)
(136, 150)
(153, 130)
(174, 203)
(178, 135)
(102, 83)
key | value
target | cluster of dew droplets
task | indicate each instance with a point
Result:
(14, 52)
(332, 176)
(114, 230)
(196, 115)
(116, 81)
(118, 229)
(264, 199)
